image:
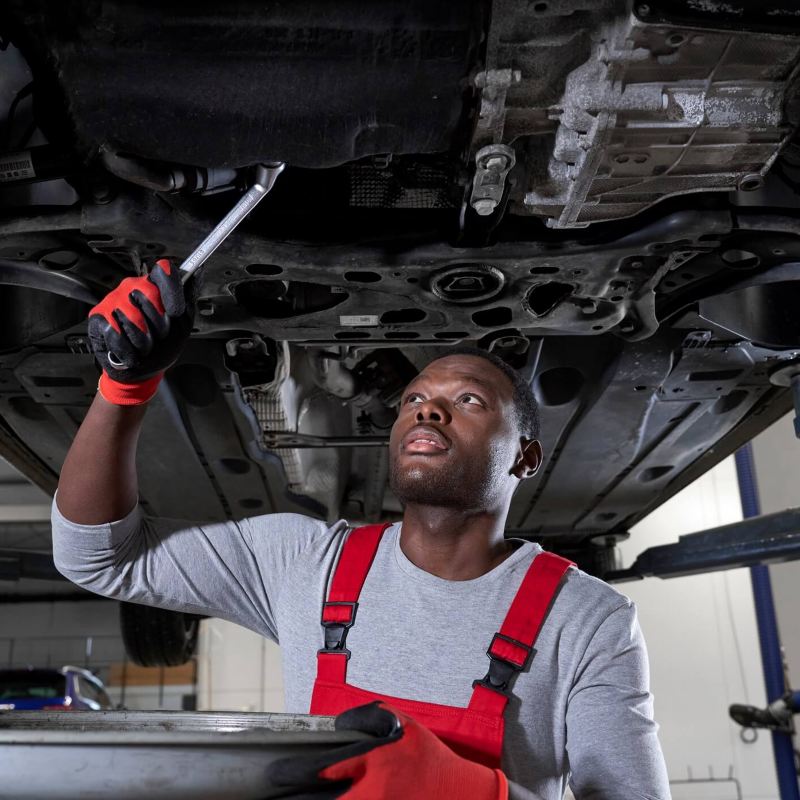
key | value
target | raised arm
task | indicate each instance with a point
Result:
(98, 480)
(101, 539)
(136, 332)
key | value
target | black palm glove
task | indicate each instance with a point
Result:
(305, 774)
(137, 331)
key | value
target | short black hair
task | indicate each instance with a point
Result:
(524, 399)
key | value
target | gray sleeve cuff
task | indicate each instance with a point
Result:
(72, 540)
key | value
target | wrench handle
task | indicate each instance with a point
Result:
(265, 180)
(266, 176)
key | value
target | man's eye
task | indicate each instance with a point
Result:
(413, 398)
(471, 399)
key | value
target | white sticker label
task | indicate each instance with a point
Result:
(360, 321)
(16, 167)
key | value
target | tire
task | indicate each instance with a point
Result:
(154, 637)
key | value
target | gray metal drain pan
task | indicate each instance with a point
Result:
(152, 755)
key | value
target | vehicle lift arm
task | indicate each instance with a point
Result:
(758, 540)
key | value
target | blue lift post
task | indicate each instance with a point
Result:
(771, 657)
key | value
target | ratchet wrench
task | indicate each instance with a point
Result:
(266, 175)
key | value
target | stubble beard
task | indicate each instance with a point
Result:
(462, 484)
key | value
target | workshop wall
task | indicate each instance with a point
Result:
(237, 670)
(58, 633)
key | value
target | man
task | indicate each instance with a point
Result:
(562, 695)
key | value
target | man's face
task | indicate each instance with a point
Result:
(456, 439)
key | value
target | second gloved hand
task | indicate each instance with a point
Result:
(404, 760)
(137, 331)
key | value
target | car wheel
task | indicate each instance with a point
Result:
(154, 637)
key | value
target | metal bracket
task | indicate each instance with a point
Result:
(494, 85)
(250, 357)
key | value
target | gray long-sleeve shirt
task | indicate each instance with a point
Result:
(581, 711)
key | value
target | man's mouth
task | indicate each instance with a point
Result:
(424, 440)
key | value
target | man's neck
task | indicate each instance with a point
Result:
(453, 544)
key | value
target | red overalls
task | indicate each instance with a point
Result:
(475, 732)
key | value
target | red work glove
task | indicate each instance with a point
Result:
(404, 760)
(144, 324)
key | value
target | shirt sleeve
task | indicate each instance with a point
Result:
(231, 570)
(612, 739)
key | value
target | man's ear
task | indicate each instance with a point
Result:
(529, 459)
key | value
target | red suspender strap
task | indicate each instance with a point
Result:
(524, 620)
(355, 560)
(512, 647)
(339, 611)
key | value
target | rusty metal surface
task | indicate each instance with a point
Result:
(158, 755)
(613, 112)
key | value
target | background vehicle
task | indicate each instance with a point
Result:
(603, 193)
(65, 689)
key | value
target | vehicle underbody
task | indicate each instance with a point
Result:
(605, 196)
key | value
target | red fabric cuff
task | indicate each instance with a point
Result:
(128, 394)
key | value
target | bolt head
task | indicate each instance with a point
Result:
(495, 163)
(484, 207)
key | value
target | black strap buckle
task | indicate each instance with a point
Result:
(501, 670)
(335, 631)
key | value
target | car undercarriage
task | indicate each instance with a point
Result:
(603, 194)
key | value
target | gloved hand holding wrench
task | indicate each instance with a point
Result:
(139, 329)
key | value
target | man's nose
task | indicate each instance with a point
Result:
(434, 410)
